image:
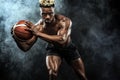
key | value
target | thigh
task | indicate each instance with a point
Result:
(71, 55)
(53, 62)
(78, 65)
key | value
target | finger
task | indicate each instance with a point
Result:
(28, 29)
(28, 24)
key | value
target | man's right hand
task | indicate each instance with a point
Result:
(35, 29)
(29, 24)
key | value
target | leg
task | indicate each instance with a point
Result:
(78, 67)
(53, 62)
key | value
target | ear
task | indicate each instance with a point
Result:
(40, 11)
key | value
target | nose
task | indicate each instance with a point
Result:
(47, 16)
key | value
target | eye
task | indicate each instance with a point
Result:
(44, 14)
(51, 13)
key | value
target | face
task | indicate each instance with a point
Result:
(47, 14)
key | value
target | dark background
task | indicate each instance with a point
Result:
(95, 32)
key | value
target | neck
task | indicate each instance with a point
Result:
(51, 23)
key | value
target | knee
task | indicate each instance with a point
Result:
(53, 72)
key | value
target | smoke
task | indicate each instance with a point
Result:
(14, 63)
(96, 34)
(94, 31)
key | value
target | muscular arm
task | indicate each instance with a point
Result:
(62, 34)
(25, 45)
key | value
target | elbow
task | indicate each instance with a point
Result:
(62, 42)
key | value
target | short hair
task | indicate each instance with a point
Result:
(46, 3)
(40, 5)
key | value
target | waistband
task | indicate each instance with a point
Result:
(57, 46)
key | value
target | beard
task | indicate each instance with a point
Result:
(48, 21)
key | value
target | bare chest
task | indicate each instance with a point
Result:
(51, 29)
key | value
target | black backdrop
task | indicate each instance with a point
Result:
(95, 32)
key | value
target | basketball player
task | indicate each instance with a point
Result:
(56, 30)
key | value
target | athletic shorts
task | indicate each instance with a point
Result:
(69, 52)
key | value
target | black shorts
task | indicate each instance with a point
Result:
(69, 52)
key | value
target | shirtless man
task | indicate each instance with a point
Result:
(56, 30)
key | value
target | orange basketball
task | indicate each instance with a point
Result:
(20, 31)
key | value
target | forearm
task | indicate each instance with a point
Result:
(25, 45)
(51, 38)
(31, 41)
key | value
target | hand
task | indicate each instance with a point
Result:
(29, 24)
(31, 27)
(34, 31)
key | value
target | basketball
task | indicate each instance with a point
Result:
(20, 30)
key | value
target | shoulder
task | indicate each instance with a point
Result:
(40, 22)
(63, 19)
(38, 25)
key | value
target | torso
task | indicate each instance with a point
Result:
(53, 28)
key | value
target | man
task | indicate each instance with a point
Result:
(56, 30)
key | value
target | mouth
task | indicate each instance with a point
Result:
(47, 21)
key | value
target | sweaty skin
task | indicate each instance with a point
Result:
(55, 29)
(57, 32)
